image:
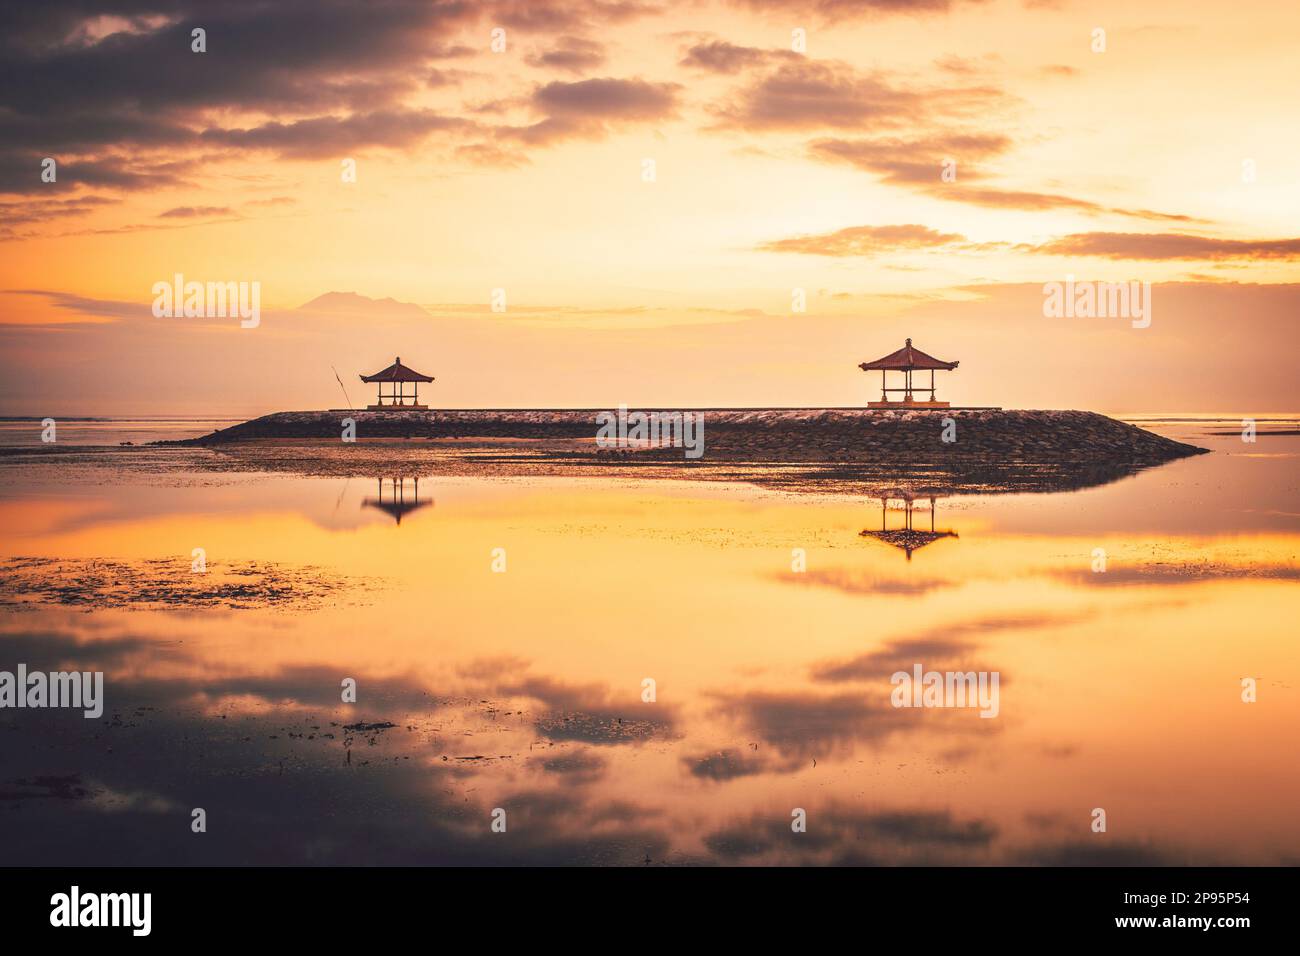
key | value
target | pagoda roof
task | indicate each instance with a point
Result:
(395, 508)
(907, 358)
(908, 540)
(397, 372)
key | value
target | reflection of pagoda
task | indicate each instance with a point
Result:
(907, 537)
(397, 504)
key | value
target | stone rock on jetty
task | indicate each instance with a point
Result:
(787, 436)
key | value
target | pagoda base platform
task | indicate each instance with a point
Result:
(397, 408)
(907, 405)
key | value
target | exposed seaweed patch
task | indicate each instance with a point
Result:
(600, 728)
(1172, 572)
(159, 583)
(58, 787)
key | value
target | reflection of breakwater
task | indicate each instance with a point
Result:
(398, 501)
(909, 537)
(507, 458)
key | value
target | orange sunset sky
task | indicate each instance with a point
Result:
(1172, 157)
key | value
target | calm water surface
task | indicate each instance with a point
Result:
(523, 690)
(27, 432)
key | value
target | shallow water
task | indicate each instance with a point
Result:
(28, 432)
(522, 690)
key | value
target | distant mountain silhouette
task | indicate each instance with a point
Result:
(350, 303)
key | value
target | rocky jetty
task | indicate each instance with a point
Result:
(786, 436)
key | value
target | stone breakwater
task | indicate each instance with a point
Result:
(980, 436)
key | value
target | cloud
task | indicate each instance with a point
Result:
(20, 173)
(592, 108)
(571, 54)
(286, 55)
(551, 16)
(438, 78)
(866, 241)
(720, 56)
(302, 79)
(870, 241)
(829, 94)
(913, 161)
(33, 211)
(1166, 246)
(93, 97)
(608, 99)
(1034, 201)
(919, 163)
(489, 156)
(329, 136)
(83, 306)
(193, 212)
(967, 65)
(811, 95)
(833, 10)
(273, 201)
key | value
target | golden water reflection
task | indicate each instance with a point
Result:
(523, 688)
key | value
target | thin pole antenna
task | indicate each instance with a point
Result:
(351, 407)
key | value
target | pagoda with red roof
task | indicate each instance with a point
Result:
(396, 376)
(907, 360)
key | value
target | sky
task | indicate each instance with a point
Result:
(668, 204)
